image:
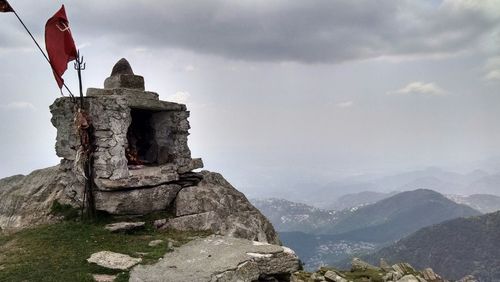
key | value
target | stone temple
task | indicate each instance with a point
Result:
(141, 155)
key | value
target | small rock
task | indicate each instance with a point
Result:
(468, 278)
(334, 276)
(384, 265)
(403, 268)
(359, 265)
(104, 277)
(113, 260)
(409, 278)
(124, 226)
(159, 223)
(430, 275)
(317, 277)
(155, 243)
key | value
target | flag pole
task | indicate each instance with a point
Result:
(39, 48)
(88, 197)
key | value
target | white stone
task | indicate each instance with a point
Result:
(113, 260)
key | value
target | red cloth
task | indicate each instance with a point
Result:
(59, 44)
(5, 7)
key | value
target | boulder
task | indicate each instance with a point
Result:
(215, 205)
(403, 268)
(359, 265)
(409, 278)
(220, 258)
(136, 201)
(334, 277)
(124, 226)
(113, 260)
(430, 275)
(26, 201)
(384, 265)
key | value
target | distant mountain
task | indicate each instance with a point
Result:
(482, 202)
(290, 216)
(357, 231)
(356, 200)
(453, 248)
(397, 216)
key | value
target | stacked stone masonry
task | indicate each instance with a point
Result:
(121, 114)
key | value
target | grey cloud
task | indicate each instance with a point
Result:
(302, 31)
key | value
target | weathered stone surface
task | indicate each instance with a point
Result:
(359, 265)
(409, 278)
(122, 76)
(384, 265)
(334, 277)
(192, 165)
(113, 260)
(216, 205)
(160, 222)
(124, 226)
(429, 275)
(129, 81)
(403, 268)
(218, 258)
(103, 278)
(122, 67)
(26, 201)
(144, 177)
(136, 201)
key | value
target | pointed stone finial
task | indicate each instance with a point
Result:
(122, 67)
(122, 76)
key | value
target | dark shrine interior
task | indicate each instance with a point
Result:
(141, 139)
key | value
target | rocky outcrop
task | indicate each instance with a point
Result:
(215, 205)
(221, 258)
(27, 200)
(363, 271)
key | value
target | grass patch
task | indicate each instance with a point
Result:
(68, 212)
(58, 252)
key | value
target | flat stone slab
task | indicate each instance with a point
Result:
(143, 177)
(219, 258)
(124, 226)
(113, 260)
(103, 278)
(136, 201)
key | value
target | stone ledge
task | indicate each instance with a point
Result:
(136, 201)
(144, 177)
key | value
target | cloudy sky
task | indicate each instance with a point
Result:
(280, 91)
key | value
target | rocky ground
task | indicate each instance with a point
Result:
(364, 272)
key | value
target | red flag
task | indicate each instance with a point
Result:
(5, 7)
(59, 44)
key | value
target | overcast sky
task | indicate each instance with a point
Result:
(278, 90)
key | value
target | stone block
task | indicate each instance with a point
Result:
(130, 81)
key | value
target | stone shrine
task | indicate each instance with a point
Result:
(141, 155)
